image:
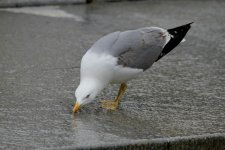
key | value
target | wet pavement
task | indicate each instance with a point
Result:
(181, 95)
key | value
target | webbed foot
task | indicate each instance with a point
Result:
(109, 104)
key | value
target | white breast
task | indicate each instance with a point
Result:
(104, 67)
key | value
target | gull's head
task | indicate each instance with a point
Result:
(86, 92)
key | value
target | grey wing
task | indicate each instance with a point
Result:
(140, 60)
(105, 43)
(139, 48)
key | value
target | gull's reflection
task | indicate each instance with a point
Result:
(104, 124)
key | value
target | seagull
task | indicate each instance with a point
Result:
(121, 56)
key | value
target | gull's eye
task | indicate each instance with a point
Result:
(87, 96)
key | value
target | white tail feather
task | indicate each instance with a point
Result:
(183, 40)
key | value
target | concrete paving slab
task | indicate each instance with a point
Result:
(24, 3)
(181, 96)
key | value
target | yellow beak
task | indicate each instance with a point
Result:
(76, 107)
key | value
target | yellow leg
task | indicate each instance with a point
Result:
(113, 104)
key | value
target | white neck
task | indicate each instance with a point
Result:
(92, 83)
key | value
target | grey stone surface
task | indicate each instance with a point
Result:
(199, 142)
(181, 95)
(22, 3)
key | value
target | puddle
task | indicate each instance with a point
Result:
(48, 11)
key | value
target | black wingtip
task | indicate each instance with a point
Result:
(190, 23)
(185, 27)
(177, 34)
